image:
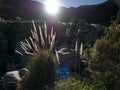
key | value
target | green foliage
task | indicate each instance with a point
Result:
(76, 84)
(77, 24)
(105, 58)
(41, 69)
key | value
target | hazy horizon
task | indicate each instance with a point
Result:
(75, 3)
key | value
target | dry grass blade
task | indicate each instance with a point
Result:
(41, 37)
(28, 44)
(52, 41)
(45, 31)
(76, 46)
(36, 47)
(34, 26)
(28, 53)
(23, 48)
(23, 45)
(18, 52)
(51, 32)
(35, 32)
(38, 41)
(81, 49)
(36, 37)
(33, 44)
(57, 57)
(32, 34)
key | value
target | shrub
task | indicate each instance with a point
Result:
(105, 58)
(76, 84)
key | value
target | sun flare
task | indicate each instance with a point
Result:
(52, 6)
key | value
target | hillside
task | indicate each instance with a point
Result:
(93, 13)
(31, 9)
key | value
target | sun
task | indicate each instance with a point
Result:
(52, 6)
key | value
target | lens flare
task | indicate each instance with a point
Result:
(52, 6)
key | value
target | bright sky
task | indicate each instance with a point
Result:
(75, 3)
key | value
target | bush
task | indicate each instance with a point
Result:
(41, 69)
(76, 84)
(105, 58)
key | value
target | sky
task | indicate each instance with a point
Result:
(76, 3)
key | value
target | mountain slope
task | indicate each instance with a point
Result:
(98, 13)
(31, 9)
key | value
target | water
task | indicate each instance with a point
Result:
(61, 72)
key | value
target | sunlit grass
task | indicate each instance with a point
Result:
(39, 40)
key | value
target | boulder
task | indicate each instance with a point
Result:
(11, 80)
(67, 57)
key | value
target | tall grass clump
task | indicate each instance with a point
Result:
(41, 69)
(41, 64)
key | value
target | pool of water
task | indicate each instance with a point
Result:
(61, 72)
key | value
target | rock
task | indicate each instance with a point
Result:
(11, 80)
(67, 57)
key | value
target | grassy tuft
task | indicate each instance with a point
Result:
(41, 69)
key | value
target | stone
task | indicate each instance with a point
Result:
(11, 80)
(67, 57)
